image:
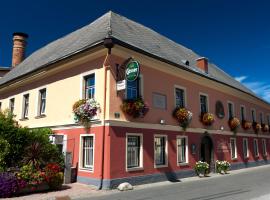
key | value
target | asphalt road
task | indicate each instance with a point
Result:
(253, 183)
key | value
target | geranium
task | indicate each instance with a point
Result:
(246, 125)
(265, 128)
(183, 116)
(135, 107)
(257, 127)
(222, 166)
(234, 123)
(207, 119)
(85, 110)
(201, 168)
(53, 176)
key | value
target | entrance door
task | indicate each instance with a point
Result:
(206, 150)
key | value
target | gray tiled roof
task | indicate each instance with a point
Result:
(124, 30)
(4, 68)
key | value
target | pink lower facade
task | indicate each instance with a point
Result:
(110, 163)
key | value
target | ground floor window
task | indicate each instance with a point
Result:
(233, 148)
(256, 150)
(134, 151)
(245, 148)
(264, 148)
(182, 150)
(87, 154)
(160, 150)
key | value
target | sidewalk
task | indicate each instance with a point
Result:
(78, 191)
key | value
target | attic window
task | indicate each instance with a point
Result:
(186, 62)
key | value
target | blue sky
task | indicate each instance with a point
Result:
(232, 34)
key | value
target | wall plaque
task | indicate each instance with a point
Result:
(159, 101)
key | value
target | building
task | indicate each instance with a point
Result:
(89, 62)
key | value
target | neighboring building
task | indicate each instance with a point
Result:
(42, 89)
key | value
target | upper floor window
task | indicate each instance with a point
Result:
(230, 110)
(253, 115)
(242, 113)
(132, 90)
(268, 120)
(203, 103)
(261, 118)
(42, 102)
(11, 105)
(89, 86)
(25, 106)
(180, 97)
(0, 106)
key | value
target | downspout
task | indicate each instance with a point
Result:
(108, 43)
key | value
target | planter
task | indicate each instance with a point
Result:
(207, 119)
(201, 168)
(135, 107)
(234, 123)
(246, 125)
(183, 116)
(33, 189)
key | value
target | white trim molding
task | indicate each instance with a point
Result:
(235, 148)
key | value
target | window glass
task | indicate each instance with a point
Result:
(88, 152)
(233, 148)
(256, 152)
(180, 97)
(132, 89)
(230, 110)
(181, 149)
(133, 151)
(253, 114)
(160, 150)
(11, 105)
(245, 148)
(242, 113)
(203, 102)
(25, 106)
(42, 100)
(90, 87)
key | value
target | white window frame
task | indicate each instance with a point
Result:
(39, 101)
(187, 159)
(166, 151)
(233, 110)
(235, 148)
(141, 152)
(245, 140)
(245, 114)
(256, 154)
(255, 115)
(264, 146)
(262, 120)
(207, 98)
(81, 168)
(185, 94)
(82, 82)
(23, 106)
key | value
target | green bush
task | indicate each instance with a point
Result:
(4, 146)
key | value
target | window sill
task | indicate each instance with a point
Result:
(24, 119)
(234, 159)
(183, 164)
(40, 116)
(134, 169)
(86, 170)
(161, 166)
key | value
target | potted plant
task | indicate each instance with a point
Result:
(257, 127)
(207, 119)
(246, 125)
(135, 107)
(265, 128)
(85, 110)
(201, 168)
(222, 166)
(234, 123)
(183, 116)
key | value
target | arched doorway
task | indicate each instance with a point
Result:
(207, 150)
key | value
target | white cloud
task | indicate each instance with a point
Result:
(240, 78)
(262, 89)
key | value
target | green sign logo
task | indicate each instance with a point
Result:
(132, 70)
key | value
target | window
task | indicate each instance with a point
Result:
(11, 105)
(268, 120)
(160, 151)
(182, 150)
(180, 97)
(132, 89)
(243, 113)
(0, 106)
(261, 118)
(204, 103)
(233, 148)
(87, 155)
(253, 114)
(245, 148)
(134, 151)
(25, 106)
(264, 148)
(42, 102)
(256, 150)
(89, 86)
(230, 110)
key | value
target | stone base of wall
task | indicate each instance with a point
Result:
(152, 178)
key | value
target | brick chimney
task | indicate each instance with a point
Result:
(19, 45)
(202, 63)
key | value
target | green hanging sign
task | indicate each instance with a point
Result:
(132, 70)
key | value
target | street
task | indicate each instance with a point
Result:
(252, 183)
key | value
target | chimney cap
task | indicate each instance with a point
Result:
(20, 34)
(202, 58)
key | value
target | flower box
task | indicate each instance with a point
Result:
(246, 125)
(257, 127)
(135, 107)
(207, 119)
(234, 123)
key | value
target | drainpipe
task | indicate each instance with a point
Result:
(108, 43)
